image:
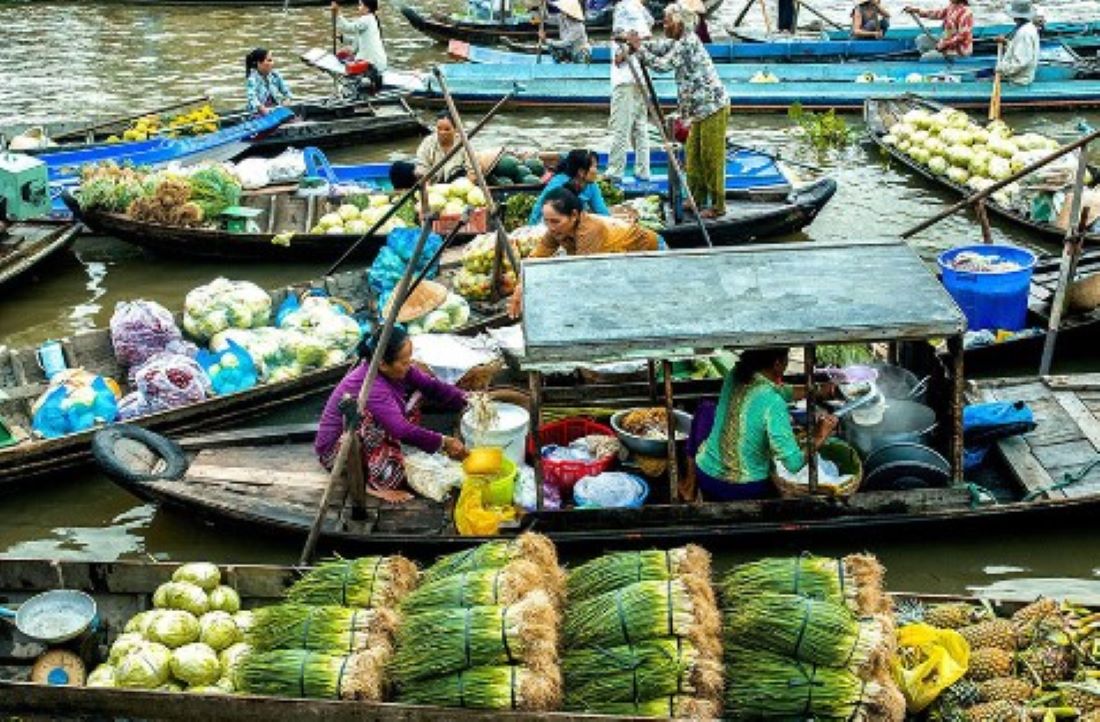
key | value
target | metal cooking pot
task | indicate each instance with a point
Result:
(900, 466)
(55, 616)
(903, 421)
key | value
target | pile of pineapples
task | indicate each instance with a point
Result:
(1043, 663)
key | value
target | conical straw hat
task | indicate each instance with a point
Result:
(572, 8)
(427, 297)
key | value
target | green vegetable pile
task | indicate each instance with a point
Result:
(213, 189)
(823, 130)
(517, 209)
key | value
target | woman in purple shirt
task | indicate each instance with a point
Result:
(391, 417)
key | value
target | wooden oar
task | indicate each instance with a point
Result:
(995, 97)
(744, 11)
(767, 20)
(542, 31)
(127, 118)
(814, 11)
(422, 181)
(923, 27)
(348, 443)
(643, 80)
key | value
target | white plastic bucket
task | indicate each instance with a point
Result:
(509, 432)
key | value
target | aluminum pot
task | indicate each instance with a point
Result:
(900, 466)
(903, 421)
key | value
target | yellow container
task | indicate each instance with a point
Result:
(484, 461)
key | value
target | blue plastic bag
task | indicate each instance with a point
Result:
(230, 370)
(290, 304)
(76, 404)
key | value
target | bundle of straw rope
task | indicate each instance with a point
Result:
(642, 634)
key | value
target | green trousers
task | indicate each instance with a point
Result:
(706, 160)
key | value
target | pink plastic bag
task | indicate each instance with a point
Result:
(140, 329)
(169, 380)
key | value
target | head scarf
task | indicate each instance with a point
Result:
(682, 14)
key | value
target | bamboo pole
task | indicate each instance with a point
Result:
(347, 441)
(995, 97)
(814, 11)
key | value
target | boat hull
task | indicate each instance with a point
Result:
(28, 245)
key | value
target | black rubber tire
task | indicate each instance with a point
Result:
(174, 461)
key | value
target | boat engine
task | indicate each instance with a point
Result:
(24, 187)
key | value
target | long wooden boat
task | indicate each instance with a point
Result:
(24, 246)
(881, 113)
(269, 480)
(22, 381)
(444, 28)
(1050, 30)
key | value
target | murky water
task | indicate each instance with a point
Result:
(80, 59)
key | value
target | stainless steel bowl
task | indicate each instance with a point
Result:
(650, 447)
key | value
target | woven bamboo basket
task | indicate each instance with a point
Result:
(841, 454)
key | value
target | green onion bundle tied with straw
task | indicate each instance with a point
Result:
(503, 687)
(331, 629)
(505, 585)
(301, 673)
(492, 555)
(683, 607)
(596, 677)
(614, 571)
(368, 582)
(811, 630)
(448, 640)
(855, 580)
(677, 706)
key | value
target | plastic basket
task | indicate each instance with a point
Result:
(994, 301)
(564, 473)
(500, 488)
(841, 454)
(478, 223)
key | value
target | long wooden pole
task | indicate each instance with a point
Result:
(542, 31)
(1075, 237)
(644, 81)
(420, 183)
(995, 96)
(346, 441)
(744, 11)
(127, 118)
(983, 194)
(814, 11)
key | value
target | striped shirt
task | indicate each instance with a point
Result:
(958, 28)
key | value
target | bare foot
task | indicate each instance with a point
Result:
(708, 213)
(391, 496)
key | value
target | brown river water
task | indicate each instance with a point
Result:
(72, 60)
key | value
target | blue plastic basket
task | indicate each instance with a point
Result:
(994, 301)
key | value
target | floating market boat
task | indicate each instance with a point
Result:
(1050, 30)
(519, 26)
(23, 246)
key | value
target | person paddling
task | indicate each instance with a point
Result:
(1021, 56)
(958, 31)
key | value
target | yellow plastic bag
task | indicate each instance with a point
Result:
(929, 660)
(472, 517)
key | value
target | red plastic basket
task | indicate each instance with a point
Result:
(565, 473)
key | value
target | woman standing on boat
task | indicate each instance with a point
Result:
(572, 44)
(391, 417)
(367, 31)
(577, 173)
(264, 87)
(870, 20)
(958, 31)
(703, 101)
(751, 431)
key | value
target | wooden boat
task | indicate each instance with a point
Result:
(881, 113)
(443, 28)
(24, 246)
(1058, 30)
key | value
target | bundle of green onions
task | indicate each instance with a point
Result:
(505, 687)
(301, 673)
(368, 582)
(812, 630)
(682, 607)
(492, 555)
(331, 629)
(596, 677)
(855, 580)
(614, 571)
(762, 684)
(676, 706)
(445, 641)
(505, 585)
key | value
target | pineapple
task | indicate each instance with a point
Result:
(989, 663)
(1048, 663)
(1010, 689)
(1002, 711)
(1085, 697)
(1040, 609)
(995, 633)
(953, 615)
(950, 705)
(909, 611)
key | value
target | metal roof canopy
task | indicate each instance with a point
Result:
(593, 309)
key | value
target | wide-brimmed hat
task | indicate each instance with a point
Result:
(1020, 10)
(572, 8)
(695, 6)
(427, 297)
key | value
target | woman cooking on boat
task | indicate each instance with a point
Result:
(752, 431)
(391, 417)
(264, 86)
(870, 20)
(577, 173)
(571, 229)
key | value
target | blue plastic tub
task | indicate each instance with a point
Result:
(993, 301)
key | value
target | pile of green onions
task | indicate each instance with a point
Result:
(504, 585)
(366, 583)
(331, 629)
(614, 571)
(493, 555)
(301, 673)
(676, 706)
(506, 687)
(856, 581)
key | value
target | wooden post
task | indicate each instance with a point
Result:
(809, 361)
(534, 381)
(651, 372)
(983, 219)
(673, 462)
(958, 384)
(1070, 249)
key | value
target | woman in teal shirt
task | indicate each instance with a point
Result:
(752, 431)
(578, 173)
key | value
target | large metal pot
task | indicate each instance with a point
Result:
(900, 466)
(903, 421)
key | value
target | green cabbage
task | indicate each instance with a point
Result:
(174, 628)
(126, 643)
(225, 599)
(170, 686)
(243, 619)
(140, 622)
(225, 684)
(102, 676)
(231, 660)
(207, 689)
(218, 630)
(147, 667)
(196, 664)
(160, 596)
(188, 597)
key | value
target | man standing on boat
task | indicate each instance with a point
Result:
(1021, 56)
(367, 31)
(629, 112)
(958, 31)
